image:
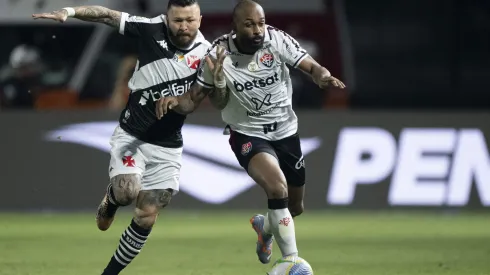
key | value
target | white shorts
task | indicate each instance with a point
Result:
(158, 166)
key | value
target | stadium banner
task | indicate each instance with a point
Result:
(361, 160)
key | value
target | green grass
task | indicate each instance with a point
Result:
(186, 243)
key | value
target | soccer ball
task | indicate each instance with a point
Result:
(291, 265)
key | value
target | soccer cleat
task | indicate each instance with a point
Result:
(264, 242)
(105, 214)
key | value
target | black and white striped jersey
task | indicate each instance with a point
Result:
(162, 70)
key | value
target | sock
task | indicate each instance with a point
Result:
(130, 245)
(113, 204)
(267, 226)
(282, 226)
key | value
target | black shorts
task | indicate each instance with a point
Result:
(287, 151)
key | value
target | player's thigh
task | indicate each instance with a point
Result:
(159, 183)
(126, 154)
(126, 166)
(292, 164)
(162, 168)
(259, 159)
(291, 160)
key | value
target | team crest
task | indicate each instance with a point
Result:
(128, 161)
(267, 59)
(246, 148)
(193, 61)
(178, 57)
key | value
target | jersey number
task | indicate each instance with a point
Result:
(268, 128)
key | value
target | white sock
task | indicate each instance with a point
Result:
(267, 225)
(282, 226)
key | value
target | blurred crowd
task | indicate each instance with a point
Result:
(42, 67)
(389, 56)
(33, 76)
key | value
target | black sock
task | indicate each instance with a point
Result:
(111, 196)
(113, 204)
(130, 245)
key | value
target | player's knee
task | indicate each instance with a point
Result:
(149, 204)
(277, 190)
(146, 218)
(296, 208)
(126, 188)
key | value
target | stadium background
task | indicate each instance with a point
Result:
(398, 163)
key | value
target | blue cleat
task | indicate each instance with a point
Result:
(264, 242)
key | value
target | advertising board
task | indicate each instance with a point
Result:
(360, 160)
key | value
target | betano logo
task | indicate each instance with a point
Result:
(428, 166)
(210, 171)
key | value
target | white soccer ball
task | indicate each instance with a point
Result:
(291, 265)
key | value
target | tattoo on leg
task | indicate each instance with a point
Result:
(159, 198)
(126, 188)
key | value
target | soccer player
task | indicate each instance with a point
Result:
(246, 77)
(145, 152)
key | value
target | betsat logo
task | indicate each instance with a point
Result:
(428, 166)
(256, 83)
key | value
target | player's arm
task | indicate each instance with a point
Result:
(320, 75)
(134, 26)
(212, 71)
(210, 82)
(191, 100)
(293, 54)
(219, 97)
(184, 104)
(85, 13)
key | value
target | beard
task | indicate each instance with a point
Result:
(250, 45)
(181, 40)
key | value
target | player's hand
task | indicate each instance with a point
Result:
(164, 104)
(216, 65)
(60, 15)
(327, 81)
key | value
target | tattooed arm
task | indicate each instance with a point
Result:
(98, 14)
(184, 104)
(219, 97)
(213, 70)
(85, 13)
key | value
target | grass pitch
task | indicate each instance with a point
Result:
(195, 243)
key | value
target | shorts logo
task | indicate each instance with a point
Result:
(246, 148)
(300, 164)
(285, 221)
(267, 59)
(193, 62)
(128, 161)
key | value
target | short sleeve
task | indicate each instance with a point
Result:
(132, 25)
(290, 50)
